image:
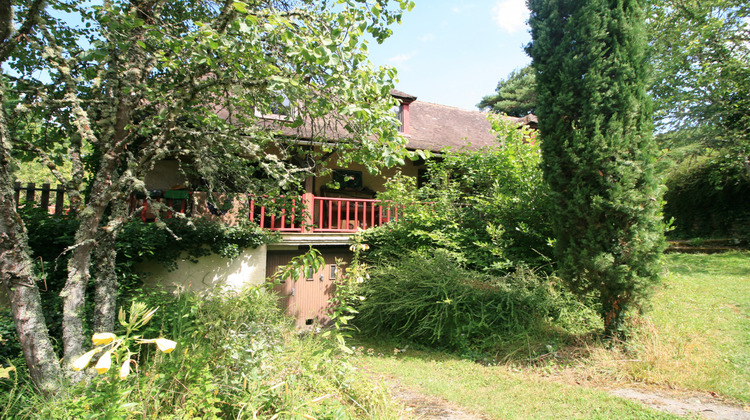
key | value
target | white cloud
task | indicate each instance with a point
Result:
(511, 15)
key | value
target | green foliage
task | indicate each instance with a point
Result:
(430, 298)
(50, 236)
(237, 357)
(701, 56)
(10, 347)
(489, 208)
(704, 201)
(701, 59)
(514, 96)
(598, 155)
(166, 241)
(347, 295)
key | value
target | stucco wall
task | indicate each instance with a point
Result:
(373, 182)
(211, 272)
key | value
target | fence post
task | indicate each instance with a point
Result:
(44, 201)
(30, 192)
(59, 199)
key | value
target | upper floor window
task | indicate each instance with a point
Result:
(347, 179)
(283, 107)
(398, 111)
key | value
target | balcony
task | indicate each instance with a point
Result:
(305, 214)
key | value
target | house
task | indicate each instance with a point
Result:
(331, 215)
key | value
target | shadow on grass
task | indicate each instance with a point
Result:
(530, 349)
(735, 263)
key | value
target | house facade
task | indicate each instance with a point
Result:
(328, 216)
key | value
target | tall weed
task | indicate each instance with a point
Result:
(430, 298)
(237, 356)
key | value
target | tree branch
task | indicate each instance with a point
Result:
(7, 42)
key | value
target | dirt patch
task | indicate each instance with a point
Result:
(685, 406)
(427, 407)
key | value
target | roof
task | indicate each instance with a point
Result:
(531, 120)
(404, 97)
(433, 127)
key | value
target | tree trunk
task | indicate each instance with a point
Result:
(74, 292)
(105, 284)
(19, 281)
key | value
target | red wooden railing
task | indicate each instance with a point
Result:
(290, 219)
(350, 214)
(304, 214)
(329, 214)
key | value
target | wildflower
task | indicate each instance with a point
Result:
(102, 338)
(84, 360)
(104, 362)
(165, 345)
(125, 369)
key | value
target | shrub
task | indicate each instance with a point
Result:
(50, 236)
(237, 356)
(488, 208)
(431, 299)
(705, 200)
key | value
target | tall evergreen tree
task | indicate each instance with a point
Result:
(595, 123)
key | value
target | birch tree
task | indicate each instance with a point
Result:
(143, 80)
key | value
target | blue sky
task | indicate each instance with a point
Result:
(453, 52)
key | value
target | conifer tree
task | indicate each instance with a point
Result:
(595, 123)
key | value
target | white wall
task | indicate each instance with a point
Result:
(211, 272)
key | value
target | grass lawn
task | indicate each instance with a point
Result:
(696, 337)
(501, 393)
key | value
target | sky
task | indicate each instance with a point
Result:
(453, 52)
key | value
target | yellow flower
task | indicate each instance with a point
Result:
(104, 362)
(84, 360)
(165, 345)
(102, 338)
(125, 369)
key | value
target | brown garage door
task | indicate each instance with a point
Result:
(306, 299)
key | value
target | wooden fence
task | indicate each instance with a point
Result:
(42, 200)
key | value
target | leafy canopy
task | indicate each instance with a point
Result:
(191, 80)
(514, 96)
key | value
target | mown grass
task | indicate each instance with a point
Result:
(695, 337)
(500, 392)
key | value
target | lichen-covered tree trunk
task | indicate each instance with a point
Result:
(19, 282)
(79, 275)
(105, 281)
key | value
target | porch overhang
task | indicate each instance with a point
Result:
(304, 239)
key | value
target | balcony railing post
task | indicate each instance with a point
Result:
(308, 224)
